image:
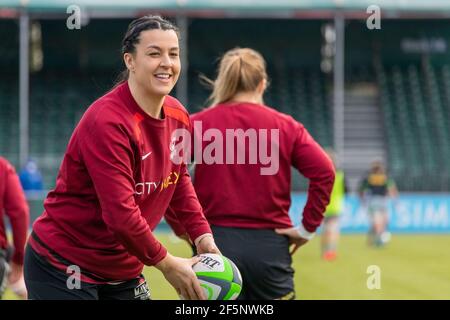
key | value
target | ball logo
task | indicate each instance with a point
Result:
(210, 262)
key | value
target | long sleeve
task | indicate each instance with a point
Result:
(108, 155)
(185, 213)
(172, 220)
(185, 193)
(312, 162)
(16, 208)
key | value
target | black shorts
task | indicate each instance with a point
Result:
(4, 268)
(45, 282)
(263, 258)
(5, 257)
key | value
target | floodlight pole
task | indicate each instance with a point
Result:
(24, 87)
(339, 88)
(182, 85)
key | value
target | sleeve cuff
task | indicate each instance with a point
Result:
(157, 258)
(197, 232)
(304, 233)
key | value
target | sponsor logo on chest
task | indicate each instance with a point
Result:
(148, 187)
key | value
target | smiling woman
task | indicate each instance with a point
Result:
(151, 53)
(98, 218)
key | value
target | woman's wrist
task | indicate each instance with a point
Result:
(202, 237)
(305, 234)
(165, 263)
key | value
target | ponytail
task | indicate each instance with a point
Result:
(240, 70)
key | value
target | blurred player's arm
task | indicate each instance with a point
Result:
(362, 188)
(346, 186)
(311, 161)
(186, 218)
(16, 208)
(392, 189)
(175, 225)
(178, 215)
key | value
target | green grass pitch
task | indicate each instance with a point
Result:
(411, 267)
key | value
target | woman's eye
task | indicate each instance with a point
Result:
(153, 54)
(174, 54)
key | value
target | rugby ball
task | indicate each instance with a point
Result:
(218, 276)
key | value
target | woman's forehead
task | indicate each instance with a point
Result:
(159, 39)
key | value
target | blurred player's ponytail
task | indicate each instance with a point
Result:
(240, 70)
(131, 38)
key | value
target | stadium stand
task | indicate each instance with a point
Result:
(9, 118)
(57, 102)
(416, 120)
(413, 90)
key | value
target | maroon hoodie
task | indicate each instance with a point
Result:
(115, 183)
(15, 206)
(255, 192)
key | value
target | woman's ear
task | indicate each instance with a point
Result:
(262, 86)
(129, 61)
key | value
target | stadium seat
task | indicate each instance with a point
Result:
(414, 101)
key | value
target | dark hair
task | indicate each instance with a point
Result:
(132, 36)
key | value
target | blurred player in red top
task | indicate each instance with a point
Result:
(14, 205)
(116, 182)
(243, 177)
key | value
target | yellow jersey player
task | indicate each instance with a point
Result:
(330, 229)
(374, 191)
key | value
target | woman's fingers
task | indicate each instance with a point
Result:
(294, 248)
(214, 249)
(194, 290)
(190, 293)
(195, 284)
(280, 231)
(198, 290)
(183, 294)
(194, 260)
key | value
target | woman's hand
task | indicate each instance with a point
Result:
(16, 281)
(295, 240)
(179, 273)
(206, 244)
(15, 273)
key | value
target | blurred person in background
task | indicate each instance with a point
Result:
(14, 205)
(248, 210)
(31, 177)
(330, 229)
(375, 190)
(116, 182)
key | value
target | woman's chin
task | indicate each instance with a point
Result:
(164, 91)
